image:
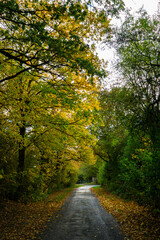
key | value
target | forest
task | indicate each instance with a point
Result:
(58, 123)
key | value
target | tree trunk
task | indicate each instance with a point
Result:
(21, 159)
(21, 150)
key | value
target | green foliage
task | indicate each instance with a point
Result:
(102, 174)
(112, 133)
(130, 165)
(138, 47)
(138, 172)
(87, 173)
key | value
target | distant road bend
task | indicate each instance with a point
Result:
(82, 218)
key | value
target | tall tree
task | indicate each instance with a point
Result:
(50, 77)
(113, 132)
(135, 111)
(139, 49)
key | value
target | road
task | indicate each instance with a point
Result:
(82, 218)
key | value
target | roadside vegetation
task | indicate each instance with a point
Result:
(129, 138)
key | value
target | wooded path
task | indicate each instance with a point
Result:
(82, 218)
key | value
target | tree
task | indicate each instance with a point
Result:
(138, 47)
(47, 123)
(49, 82)
(53, 36)
(113, 132)
(134, 110)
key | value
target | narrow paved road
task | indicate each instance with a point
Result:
(82, 218)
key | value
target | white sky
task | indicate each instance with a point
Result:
(151, 6)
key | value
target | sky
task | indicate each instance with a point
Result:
(151, 6)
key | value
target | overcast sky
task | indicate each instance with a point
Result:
(151, 6)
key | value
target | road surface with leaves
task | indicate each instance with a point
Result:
(82, 218)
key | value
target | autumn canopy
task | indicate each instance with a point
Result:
(49, 79)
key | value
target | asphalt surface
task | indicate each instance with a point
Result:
(82, 218)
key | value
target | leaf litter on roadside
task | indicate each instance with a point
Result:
(21, 221)
(137, 222)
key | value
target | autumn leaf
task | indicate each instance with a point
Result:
(137, 222)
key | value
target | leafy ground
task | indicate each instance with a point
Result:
(137, 222)
(24, 221)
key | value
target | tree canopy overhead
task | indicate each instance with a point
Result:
(50, 76)
(43, 37)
